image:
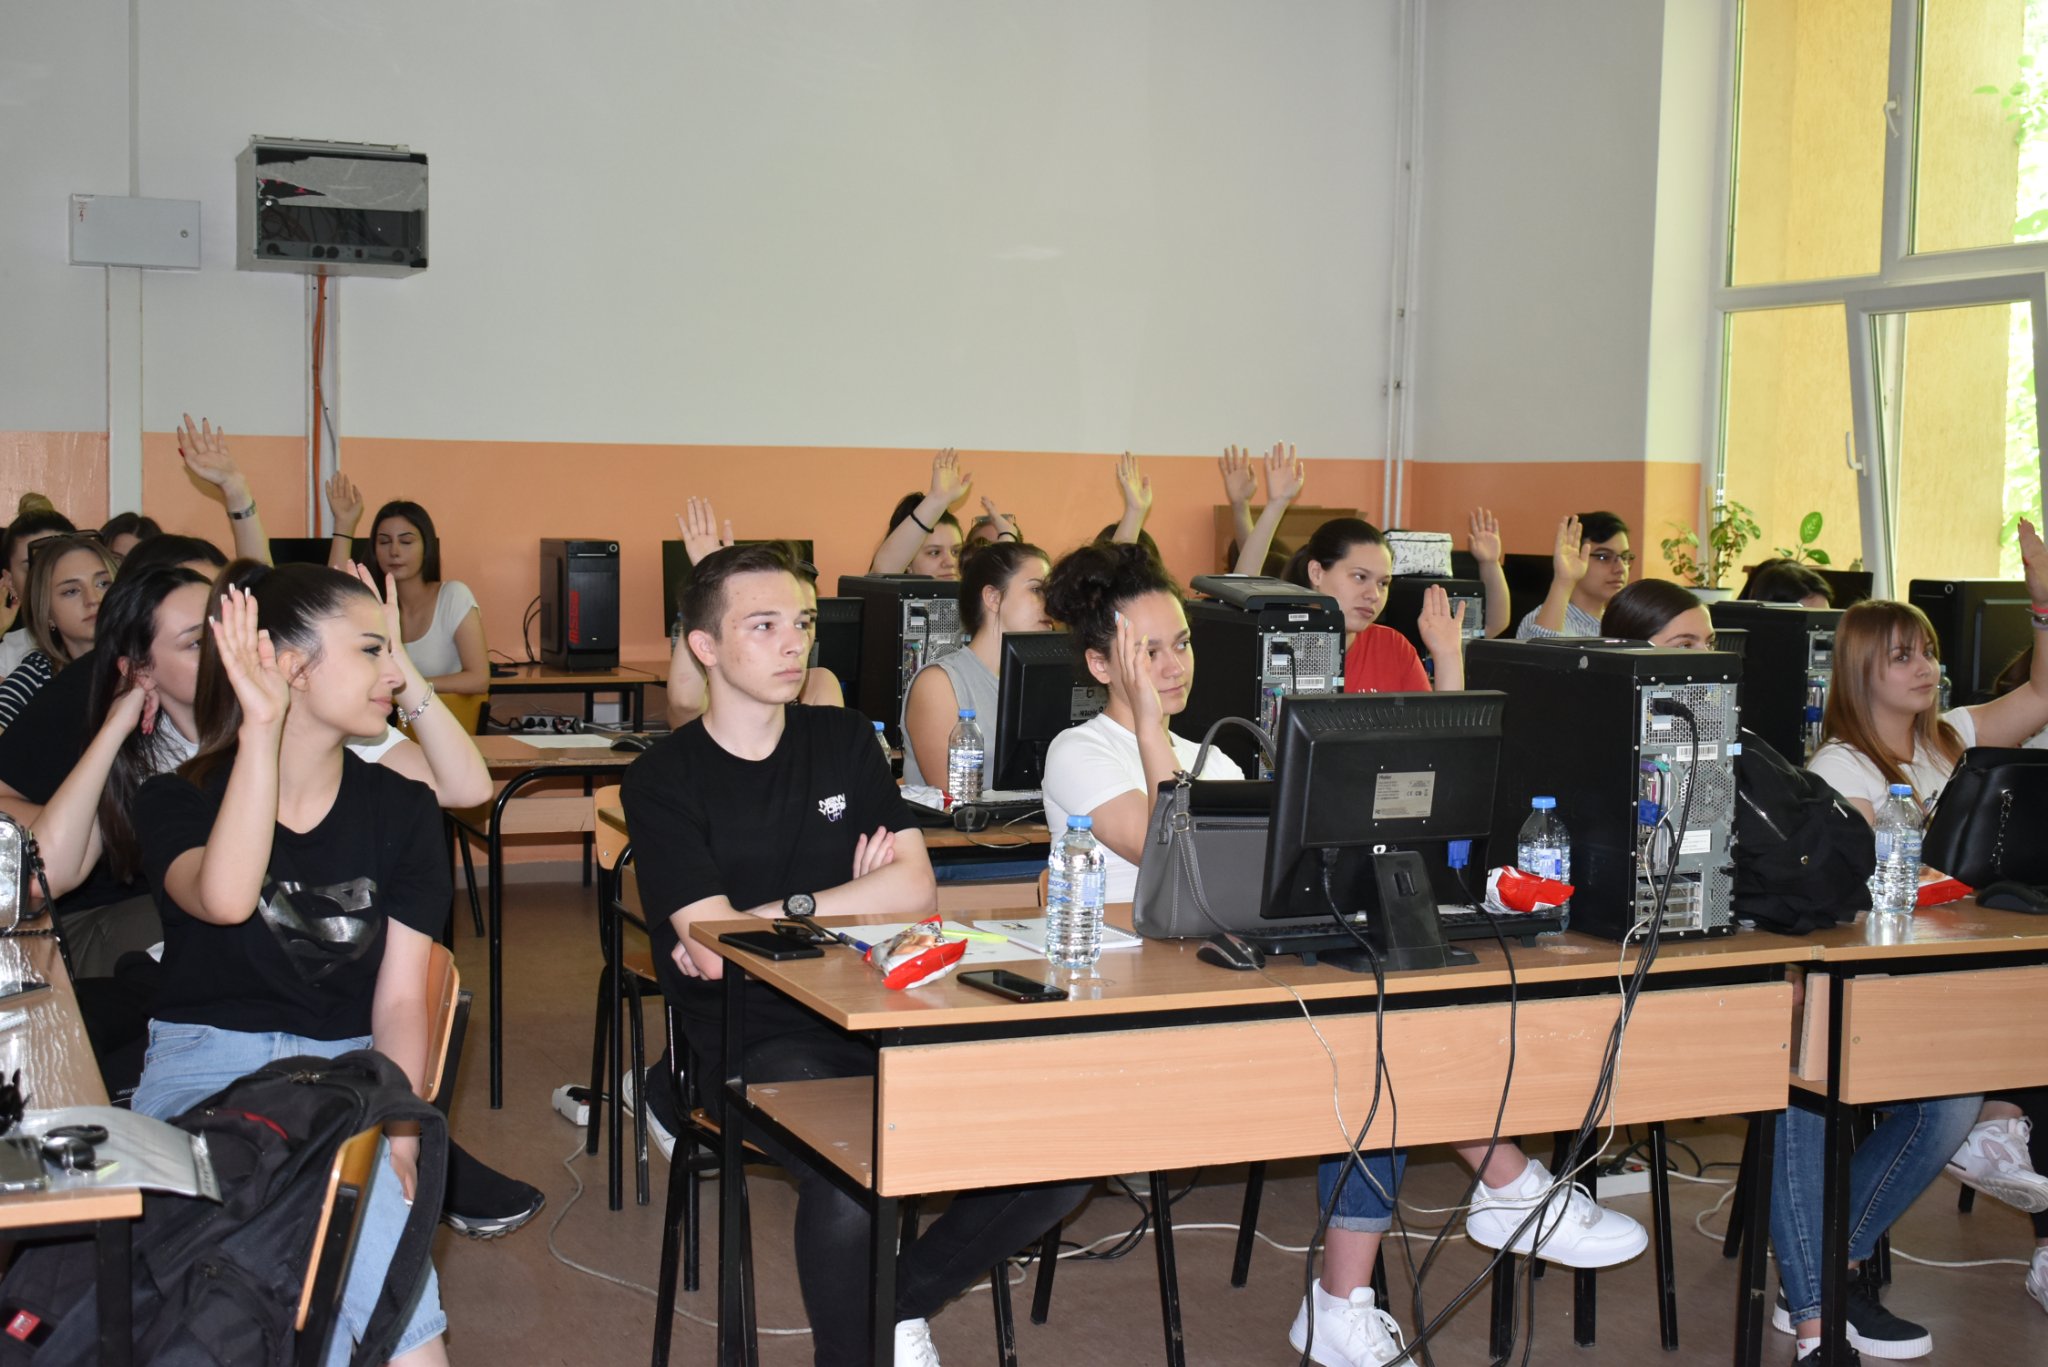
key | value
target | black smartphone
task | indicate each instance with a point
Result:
(771, 945)
(1013, 986)
(21, 1164)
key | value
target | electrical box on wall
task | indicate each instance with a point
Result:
(330, 208)
(119, 230)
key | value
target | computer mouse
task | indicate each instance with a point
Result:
(1227, 951)
(2014, 897)
(630, 743)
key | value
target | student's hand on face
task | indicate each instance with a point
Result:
(134, 709)
(205, 452)
(1285, 474)
(1442, 631)
(949, 481)
(709, 969)
(2034, 556)
(394, 629)
(250, 662)
(1568, 559)
(345, 501)
(1005, 529)
(1240, 480)
(1483, 538)
(1135, 487)
(1131, 674)
(877, 851)
(699, 524)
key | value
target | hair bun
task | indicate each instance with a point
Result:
(33, 502)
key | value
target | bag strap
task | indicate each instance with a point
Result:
(409, 1263)
(1259, 734)
(1177, 832)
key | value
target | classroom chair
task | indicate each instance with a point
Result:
(334, 1246)
(621, 980)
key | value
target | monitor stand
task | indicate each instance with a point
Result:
(1404, 928)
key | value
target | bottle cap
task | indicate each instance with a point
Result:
(966, 714)
(1542, 804)
(1080, 823)
(1902, 790)
(878, 726)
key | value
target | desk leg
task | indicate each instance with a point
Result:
(732, 1180)
(496, 933)
(639, 692)
(112, 1245)
(1836, 1143)
(1660, 1219)
(886, 1212)
(1169, 1272)
(1752, 1303)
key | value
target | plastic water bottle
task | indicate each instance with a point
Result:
(1895, 882)
(964, 753)
(1816, 710)
(1544, 847)
(882, 739)
(1073, 897)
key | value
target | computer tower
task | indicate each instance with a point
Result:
(1404, 605)
(907, 621)
(1257, 641)
(1788, 660)
(1595, 724)
(1981, 624)
(579, 603)
(838, 644)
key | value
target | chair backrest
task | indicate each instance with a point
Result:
(1044, 882)
(471, 709)
(610, 841)
(334, 1241)
(444, 991)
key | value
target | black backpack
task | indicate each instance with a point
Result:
(1803, 855)
(220, 1284)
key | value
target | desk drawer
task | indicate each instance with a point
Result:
(1064, 1106)
(1942, 1034)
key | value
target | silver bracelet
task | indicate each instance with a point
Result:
(409, 717)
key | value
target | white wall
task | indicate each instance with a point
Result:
(1540, 146)
(1071, 225)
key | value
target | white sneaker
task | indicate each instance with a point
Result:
(1350, 1332)
(656, 1131)
(914, 1344)
(2037, 1277)
(1574, 1229)
(1994, 1161)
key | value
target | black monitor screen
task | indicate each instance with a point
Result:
(1045, 689)
(675, 574)
(313, 550)
(1411, 771)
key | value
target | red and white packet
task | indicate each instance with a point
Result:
(917, 955)
(1511, 892)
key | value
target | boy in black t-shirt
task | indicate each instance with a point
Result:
(756, 802)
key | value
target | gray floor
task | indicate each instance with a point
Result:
(513, 1301)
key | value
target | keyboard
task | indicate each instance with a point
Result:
(1459, 923)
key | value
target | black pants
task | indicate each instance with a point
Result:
(951, 1254)
(2033, 1103)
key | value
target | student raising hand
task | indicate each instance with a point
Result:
(250, 662)
(1443, 636)
(345, 504)
(1568, 559)
(1286, 477)
(1482, 539)
(204, 449)
(1240, 487)
(1131, 677)
(699, 524)
(1135, 488)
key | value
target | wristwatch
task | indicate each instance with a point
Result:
(799, 904)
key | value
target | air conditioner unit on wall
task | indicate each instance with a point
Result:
(330, 208)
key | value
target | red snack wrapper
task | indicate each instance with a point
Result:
(1942, 890)
(1509, 890)
(917, 956)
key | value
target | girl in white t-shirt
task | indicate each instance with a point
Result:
(444, 627)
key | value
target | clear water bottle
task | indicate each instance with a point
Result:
(1895, 882)
(1947, 689)
(964, 755)
(1544, 847)
(1073, 897)
(1816, 709)
(882, 739)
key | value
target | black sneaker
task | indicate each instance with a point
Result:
(483, 1203)
(1879, 1333)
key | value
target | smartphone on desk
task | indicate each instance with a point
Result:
(21, 1164)
(1013, 986)
(771, 944)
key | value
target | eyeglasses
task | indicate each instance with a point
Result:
(1609, 557)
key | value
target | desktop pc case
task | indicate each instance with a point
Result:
(907, 621)
(1788, 661)
(1404, 606)
(579, 604)
(1257, 641)
(1582, 725)
(1981, 624)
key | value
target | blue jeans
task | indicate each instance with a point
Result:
(1888, 1173)
(188, 1063)
(1360, 1205)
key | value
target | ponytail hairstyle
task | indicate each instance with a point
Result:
(991, 566)
(1864, 640)
(42, 575)
(1332, 541)
(1645, 608)
(127, 632)
(430, 541)
(291, 603)
(1091, 585)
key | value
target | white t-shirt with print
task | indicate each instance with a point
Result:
(1855, 775)
(1099, 760)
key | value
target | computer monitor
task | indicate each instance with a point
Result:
(1980, 624)
(1528, 579)
(1045, 689)
(1370, 791)
(1848, 587)
(838, 645)
(313, 550)
(675, 574)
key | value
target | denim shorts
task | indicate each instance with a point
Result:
(188, 1063)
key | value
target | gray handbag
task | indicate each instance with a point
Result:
(1205, 851)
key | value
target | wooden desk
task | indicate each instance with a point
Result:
(517, 764)
(966, 1084)
(58, 1069)
(628, 682)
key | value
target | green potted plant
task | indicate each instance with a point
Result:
(1806, 553)
(1730, 527)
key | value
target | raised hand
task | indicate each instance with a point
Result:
(1568, 559)
(1004, 527)
(1240, 480)
(250, 662)
(699, 524)
(204, 449)
(2034, 556)
(1135, 487)
(873, 852)
(394, 628)
(1442, 631)
(949, 481)
(1131, 675)
(1285, 474)
(1483, 536)
(345, 501)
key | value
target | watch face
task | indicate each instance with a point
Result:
(801, 904)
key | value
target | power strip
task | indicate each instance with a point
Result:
(1634, 1180)
(572, 1103)
(547, 723)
